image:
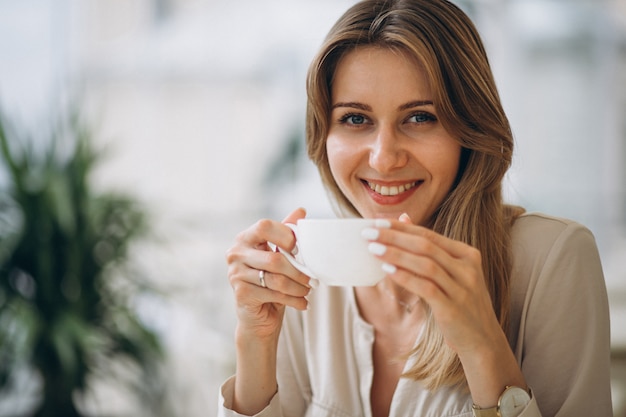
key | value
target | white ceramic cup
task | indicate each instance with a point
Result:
(334, 252)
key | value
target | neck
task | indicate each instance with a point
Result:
(384, 312)
(402, 298)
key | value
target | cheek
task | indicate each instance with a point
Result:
(448, 162)
(452, 169)
(338, 159)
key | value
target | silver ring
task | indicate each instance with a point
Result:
(262, 278)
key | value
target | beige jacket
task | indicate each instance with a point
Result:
(560, 336)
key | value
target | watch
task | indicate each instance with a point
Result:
(510, 404)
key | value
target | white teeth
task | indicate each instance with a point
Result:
(387, 191)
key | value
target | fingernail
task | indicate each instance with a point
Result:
(370, 233)
(313, 283)
(377, 248)
(404, 217)
(388, 268)
(382, 223)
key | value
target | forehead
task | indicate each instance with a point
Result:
(368, 70)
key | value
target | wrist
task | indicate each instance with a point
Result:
(252, 333)
(511, 403)
(488, 370)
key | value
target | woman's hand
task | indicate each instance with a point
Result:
(444, 273)
(260, 310)
(448, 276)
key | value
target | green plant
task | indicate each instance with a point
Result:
(64, 296)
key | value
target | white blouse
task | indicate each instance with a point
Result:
(559, 334)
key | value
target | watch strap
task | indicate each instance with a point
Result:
(485, 412)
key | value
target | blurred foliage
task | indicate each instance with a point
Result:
(64, 308)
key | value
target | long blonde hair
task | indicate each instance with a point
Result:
(444, 40)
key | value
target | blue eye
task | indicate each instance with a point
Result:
(422, 117)
(353, 119)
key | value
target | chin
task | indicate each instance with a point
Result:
(388, 214)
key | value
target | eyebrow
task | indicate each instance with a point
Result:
(416, 103)
(365, 107)
(353, 105)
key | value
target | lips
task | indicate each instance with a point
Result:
(390, 193)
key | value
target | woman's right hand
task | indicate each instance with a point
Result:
(260, 310)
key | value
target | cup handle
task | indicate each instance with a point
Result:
(293, 260)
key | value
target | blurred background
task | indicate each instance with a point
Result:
(200, 106)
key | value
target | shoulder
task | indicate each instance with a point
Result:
(553, 256)
(540, 222)
(559, 315)
(537, 234)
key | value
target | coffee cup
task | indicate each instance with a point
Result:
(334, 252)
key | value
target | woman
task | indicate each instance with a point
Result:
(482, 306)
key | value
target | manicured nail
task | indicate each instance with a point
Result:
(388, 268)
(382, 223)
(370, 233)
(377, 248)
(404, 218)
(313, 283)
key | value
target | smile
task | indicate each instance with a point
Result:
(391, 190)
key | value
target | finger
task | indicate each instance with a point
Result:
(295, 215)
(292, 218)
(244, 278)
(259, 233)
(277, 232)
(454, 247)
(422, 257)
(250, 295)
(426, 289)
(266, 230)
(280, 283)
(404, 218)
(412, 265)
(272, 263)
(407, 246)
(461, 261)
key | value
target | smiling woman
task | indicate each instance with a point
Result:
(483, 310)
(385, 134)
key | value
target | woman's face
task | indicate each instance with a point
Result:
(387, 150)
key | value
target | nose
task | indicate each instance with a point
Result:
(387, 152)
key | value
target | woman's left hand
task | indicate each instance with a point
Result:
(448, 276)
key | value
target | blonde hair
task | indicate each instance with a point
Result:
(445, 42)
